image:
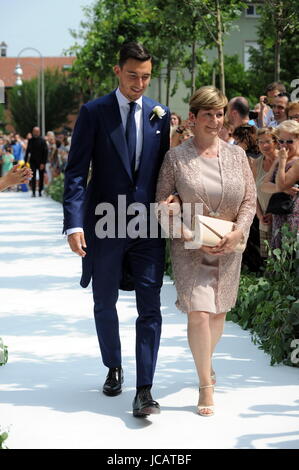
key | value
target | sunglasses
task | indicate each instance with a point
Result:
(290, 141)
(296, 116)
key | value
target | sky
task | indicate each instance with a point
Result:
(42, 24)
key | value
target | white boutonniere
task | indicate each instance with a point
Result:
(157, 111)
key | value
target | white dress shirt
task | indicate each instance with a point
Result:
(124, 109)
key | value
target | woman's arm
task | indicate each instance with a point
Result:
(15, 176)
(247, 208)
(169, 210)
(267, 186)
(285, 180)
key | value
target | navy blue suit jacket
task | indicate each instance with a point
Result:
(99, 140)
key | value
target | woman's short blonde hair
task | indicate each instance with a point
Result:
(267, 131)
(293, 106)
(290, 126)
(207, 97)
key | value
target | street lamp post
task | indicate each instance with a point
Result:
(41, 95)
(19, 82)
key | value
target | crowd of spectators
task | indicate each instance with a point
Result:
(15, 149)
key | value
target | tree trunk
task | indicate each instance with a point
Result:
(278, 21)
(220, 47)
(277, 57)
(193, 75)
(168, 79)
(160, 87)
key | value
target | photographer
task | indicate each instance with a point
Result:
(266, 114)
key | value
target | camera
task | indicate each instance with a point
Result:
(253, 114)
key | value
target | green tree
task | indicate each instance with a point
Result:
(215, 19)
(61, 99)
(108, 24)
(276, 58)
(2, 117)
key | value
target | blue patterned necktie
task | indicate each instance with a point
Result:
(131, 135)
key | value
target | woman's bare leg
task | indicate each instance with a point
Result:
(217, 322)
(200, 342)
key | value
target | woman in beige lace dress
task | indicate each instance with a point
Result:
(207, 170)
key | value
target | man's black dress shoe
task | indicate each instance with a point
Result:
(144, 405)
(114, 379)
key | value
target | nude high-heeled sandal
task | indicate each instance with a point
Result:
(211, 408)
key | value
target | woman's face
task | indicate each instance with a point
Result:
(208, 121)
(185, 135)
(294, 115)
(174, 120)
(225, 134)
(290, 142)
(266, 144)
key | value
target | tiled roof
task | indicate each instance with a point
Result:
(30, 66)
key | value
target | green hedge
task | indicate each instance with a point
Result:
(268, 305)
(56, 187)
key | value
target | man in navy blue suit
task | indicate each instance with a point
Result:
(120, 140)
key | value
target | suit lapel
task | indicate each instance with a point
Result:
(115, 129)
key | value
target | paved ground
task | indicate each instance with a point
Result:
(49, 390)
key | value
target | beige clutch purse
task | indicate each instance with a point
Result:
(208, 231)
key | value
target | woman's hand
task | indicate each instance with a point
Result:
(292, 191)
(282, 154)
(226, 245)
(266, 219)
(172, 205)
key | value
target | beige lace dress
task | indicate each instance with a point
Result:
(224, 185)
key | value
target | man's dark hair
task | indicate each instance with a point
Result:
(241, 107)
(133, 50)
(283, 94)
(276, 86)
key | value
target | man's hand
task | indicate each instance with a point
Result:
(77, 243)
(263, 105)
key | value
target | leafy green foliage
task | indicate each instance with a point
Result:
(268, 305)
(3, 437)
(3, 353)
(60, 100)
(277, 18)
(168, 265)
(168, 30)
(56, 188)
(2, 118)
(237, 79)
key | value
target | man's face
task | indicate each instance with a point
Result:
(134, 77)
(279, 107)
(36, 132)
